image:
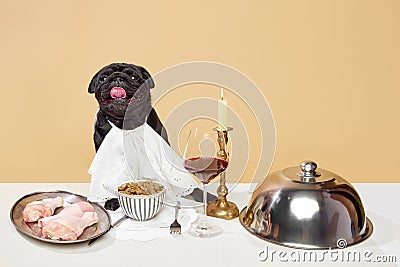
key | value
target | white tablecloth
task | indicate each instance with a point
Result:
(236, 247)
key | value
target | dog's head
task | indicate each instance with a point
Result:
(120, 85)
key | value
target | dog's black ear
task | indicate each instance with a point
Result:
(147, 77)
(92, 85)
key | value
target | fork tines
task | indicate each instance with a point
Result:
(175, 227)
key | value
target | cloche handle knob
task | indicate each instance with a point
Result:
(308, 171)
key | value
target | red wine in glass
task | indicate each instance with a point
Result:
(205, 168)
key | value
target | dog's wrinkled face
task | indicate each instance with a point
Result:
(120, 85)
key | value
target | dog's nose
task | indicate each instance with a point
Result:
(118, 92)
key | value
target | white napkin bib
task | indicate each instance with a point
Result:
(139, 154)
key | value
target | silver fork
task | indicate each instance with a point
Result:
(175, 227)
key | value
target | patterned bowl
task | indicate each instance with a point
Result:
(142, 207)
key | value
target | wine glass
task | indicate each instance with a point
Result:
(203, 161)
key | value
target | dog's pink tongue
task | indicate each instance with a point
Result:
(118, 92)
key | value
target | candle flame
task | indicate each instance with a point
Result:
(222, 93)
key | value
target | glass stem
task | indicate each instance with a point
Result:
(205, 200)
(203, 224)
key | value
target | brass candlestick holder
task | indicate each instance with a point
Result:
(222, 208)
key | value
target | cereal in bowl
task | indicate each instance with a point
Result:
(140, 188)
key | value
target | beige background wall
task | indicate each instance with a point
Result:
(329, 69)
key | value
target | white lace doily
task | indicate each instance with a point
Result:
(157, 227)
(139, 154)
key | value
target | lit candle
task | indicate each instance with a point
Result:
(223, 112)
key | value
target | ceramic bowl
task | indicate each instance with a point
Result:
(142, 207)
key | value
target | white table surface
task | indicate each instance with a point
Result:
(236, 247)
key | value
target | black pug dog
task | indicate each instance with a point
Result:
(123, 93)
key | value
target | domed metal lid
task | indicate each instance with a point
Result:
(306, 207)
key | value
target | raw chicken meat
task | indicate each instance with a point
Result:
(42, 208)
(69, 223)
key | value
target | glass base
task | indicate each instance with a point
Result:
(205, 230)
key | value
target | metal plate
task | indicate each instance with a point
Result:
(33, 230)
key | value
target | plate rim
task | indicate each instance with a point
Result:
(59, 241)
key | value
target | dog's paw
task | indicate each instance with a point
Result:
(111, 204)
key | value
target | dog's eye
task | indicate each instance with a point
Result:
(134, 77)
(130, 72)
(102, 78)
